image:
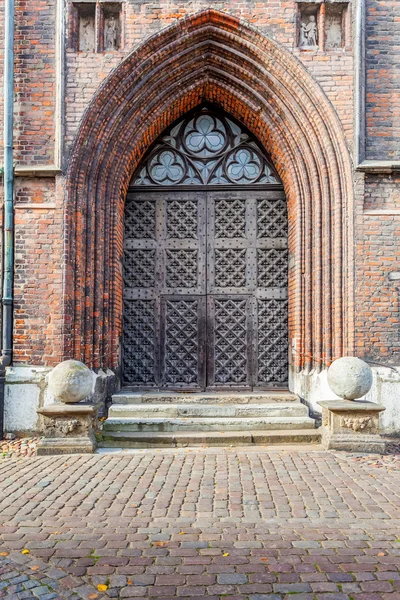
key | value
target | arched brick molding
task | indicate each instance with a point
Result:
(212, 57)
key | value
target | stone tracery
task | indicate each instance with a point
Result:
(206, 149)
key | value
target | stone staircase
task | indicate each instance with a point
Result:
(160, 419)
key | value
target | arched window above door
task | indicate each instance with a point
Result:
(206, 148)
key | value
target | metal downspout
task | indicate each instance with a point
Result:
(360, 90)
(8, 248)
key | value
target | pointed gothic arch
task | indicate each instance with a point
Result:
(205, 266)
(212, 57)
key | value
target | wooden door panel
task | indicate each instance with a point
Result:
(271, 342)
(182, 238)
(140, 349)
(231, 259)
(247, 257)
(229, 341)
(141, 322)
(271, 307)
(164, 270)
(205, 289)
(183, 342)
(231, 281)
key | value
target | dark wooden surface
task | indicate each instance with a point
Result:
(205, 300)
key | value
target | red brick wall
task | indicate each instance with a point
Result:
(40, 231)
(38, 271)
(34, 77)
(332, 69)
(382, 192)
(383, 79)
(378, 223)
(39, 262)
(378, 255)
(296, 123)
(35, 83)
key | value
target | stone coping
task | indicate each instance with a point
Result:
(351, 406)
(67, 409)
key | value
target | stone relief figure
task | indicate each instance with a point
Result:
(309, 32)
(86, 34)
(334, 31)
(111, 33)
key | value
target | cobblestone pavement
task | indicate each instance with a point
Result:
(232, 524)
(17, 447)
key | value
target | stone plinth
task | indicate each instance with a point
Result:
(351, 425)
(69, 429)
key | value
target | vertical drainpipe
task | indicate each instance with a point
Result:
(8, 245)
(360, 76)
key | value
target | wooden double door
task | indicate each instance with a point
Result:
(205, 289)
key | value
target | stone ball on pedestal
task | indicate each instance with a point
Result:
(350, 377)
(70, 381)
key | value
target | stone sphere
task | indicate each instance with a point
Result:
(350, 378)
(70, 381)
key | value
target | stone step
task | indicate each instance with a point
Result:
(123, 439)
(128, 397)
(207, 424)
(272, 409)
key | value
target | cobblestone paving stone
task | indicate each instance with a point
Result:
(26, 577)
(233, 523)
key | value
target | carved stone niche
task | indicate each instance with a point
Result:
(308, 25)
(335, 25)
(111, 17)
(351, 425)
(87, 27)
(69, 429)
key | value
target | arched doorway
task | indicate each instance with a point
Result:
(205, 261)
(212, 57)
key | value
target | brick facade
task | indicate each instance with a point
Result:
(92, 115)
(35, 81)
(378, 231)
(383, 81)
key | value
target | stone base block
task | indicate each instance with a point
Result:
(369, 444)
(351, 425)
(48, 446)
(69, 429)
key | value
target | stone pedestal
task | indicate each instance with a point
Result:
(69, 429)
(351, 425)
